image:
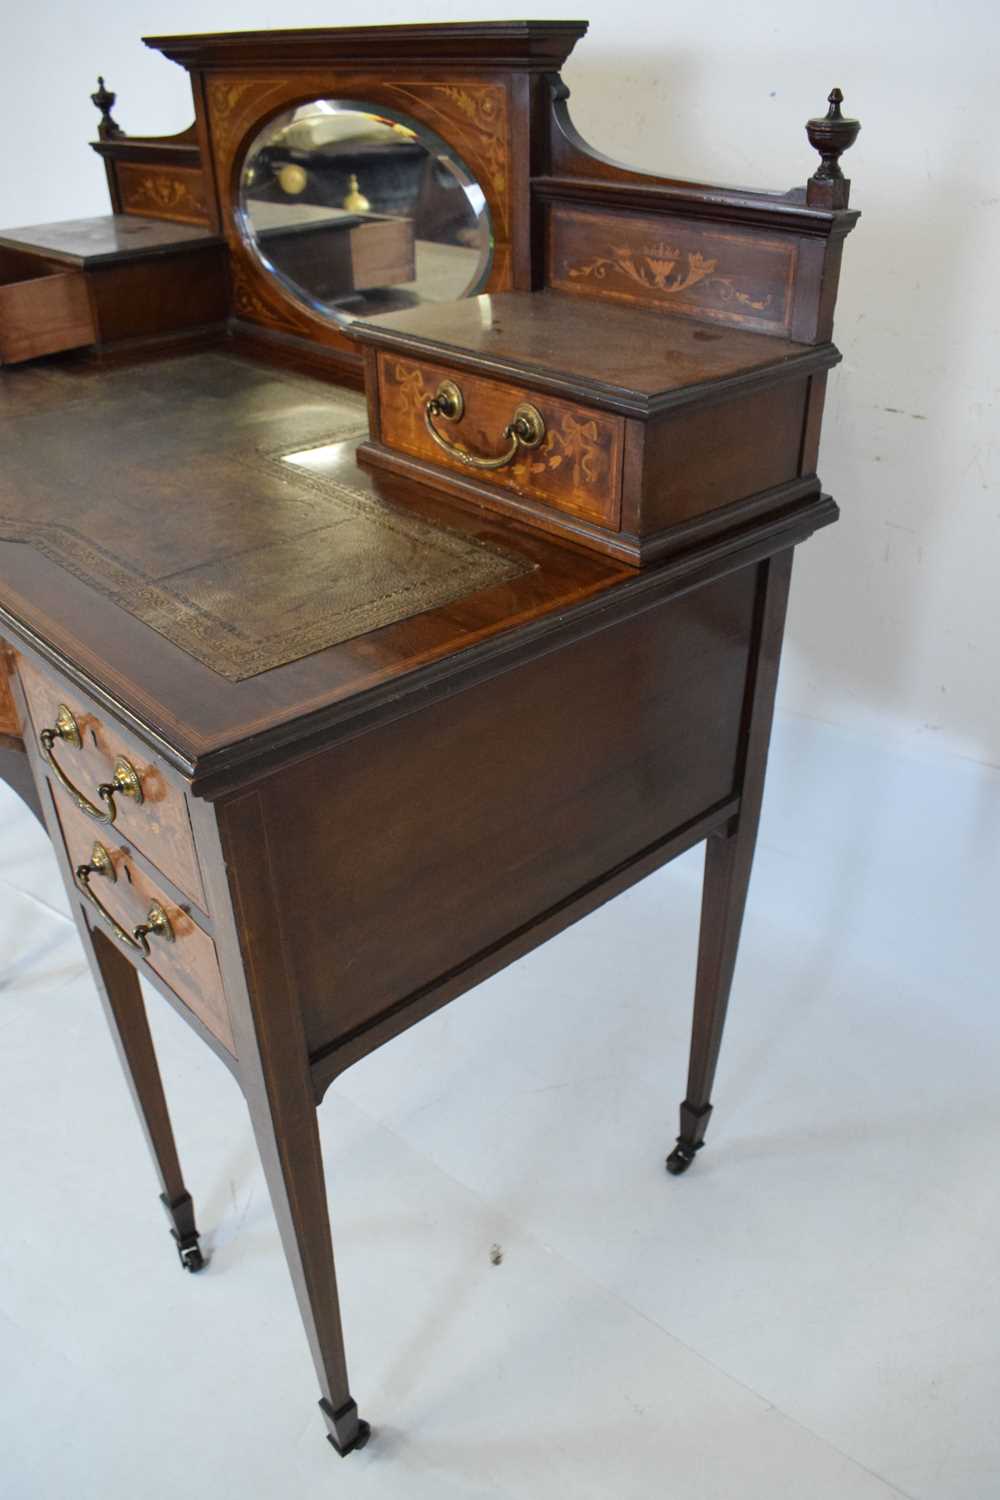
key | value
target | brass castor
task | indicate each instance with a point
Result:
(189, 1252)
(363, 1434)
(681, 1157)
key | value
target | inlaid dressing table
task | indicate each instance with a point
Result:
(333, 705)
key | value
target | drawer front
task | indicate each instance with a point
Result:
(576, 468)
(41, 312)
(158, 825)
(188, 964)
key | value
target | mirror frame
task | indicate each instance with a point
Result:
(432, 143)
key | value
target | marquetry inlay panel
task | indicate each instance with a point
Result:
(471, 113)
(680, 266)
(174, 193)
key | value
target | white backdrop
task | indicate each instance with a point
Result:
(893, 627)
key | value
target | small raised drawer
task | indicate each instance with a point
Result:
(42, 309)
(123, 896)
(576, 466)
(96, 756)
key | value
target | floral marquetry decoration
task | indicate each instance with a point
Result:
(656, 267)
(726, 276)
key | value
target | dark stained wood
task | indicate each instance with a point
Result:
(728, 863)
(700, 458)
(701, 398)
(684, 266)
(105, 239)
(190, 710)
(132, 279)
(814, 421)
(576, 468)
(276, 1079)
(159, 825)
(615, 356)
(526, 45)
(42, 310)
(174, 193)
(831, 135)
(162, 177)
(118, 988)
(331, 1061)
(124, 1008)
(471, 110)
(188, 964)
(582, 187)
(475, 777)
(561, 769)
(158, 296)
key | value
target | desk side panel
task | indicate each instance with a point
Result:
(400, 855)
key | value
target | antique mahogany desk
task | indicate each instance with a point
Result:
(324, 734)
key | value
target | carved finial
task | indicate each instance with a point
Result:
(104, 100)
(831, 135)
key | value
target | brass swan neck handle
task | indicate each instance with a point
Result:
(157, 923)
(126, 781)
(526, 429)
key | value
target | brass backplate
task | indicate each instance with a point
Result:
(67, 728)
(103, 863)
(450, 400)
(127, 779)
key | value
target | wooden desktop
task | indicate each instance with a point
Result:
(325, 734)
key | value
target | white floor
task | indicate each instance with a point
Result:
(813, 1313)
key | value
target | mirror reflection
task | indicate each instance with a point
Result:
(359, 212)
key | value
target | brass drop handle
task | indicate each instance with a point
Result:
(157, 922)
(526, 429)
(125, 778)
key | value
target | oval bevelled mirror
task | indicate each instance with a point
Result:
(357, 211)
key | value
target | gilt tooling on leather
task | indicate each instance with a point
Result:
(245, 561)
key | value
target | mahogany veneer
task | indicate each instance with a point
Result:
(664, 411)
(339, 841)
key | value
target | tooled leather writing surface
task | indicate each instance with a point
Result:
(242, 560)
(197, 718)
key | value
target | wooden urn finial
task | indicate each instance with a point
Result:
(104, 100)
(831, 135)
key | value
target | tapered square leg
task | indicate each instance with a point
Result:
(285, 1123)
(728, 863)
(278, 1084)
(121, 996)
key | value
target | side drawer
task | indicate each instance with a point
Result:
(42, 309)
(188, 964)
(159, 825)
(576, 468)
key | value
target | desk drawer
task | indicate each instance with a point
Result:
(188, 963)
(577, 466)
(158, 825)
(43, 309)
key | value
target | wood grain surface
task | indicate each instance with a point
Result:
(43, 310)
(57, 421)
(468, 819)
(159, 825)
(188, 964)
(613, 355)
(576, 468)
